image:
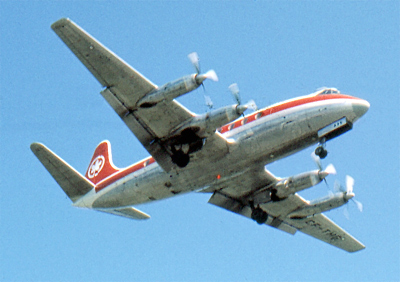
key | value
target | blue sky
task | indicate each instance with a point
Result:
(274, 50)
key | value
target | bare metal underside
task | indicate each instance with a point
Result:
(199, 153)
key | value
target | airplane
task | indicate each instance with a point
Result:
(222, 152)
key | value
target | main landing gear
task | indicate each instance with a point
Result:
(320, 151)
(179, 157)
(258, 214)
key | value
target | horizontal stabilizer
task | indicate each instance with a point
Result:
(129, 212)
(72, 182)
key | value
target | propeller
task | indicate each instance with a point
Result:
(348, 194)
(234, 88)
(211, 74)
(194, 59)
(323, 173)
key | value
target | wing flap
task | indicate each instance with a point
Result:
(72, 182)
(236, 206)
(129, 212)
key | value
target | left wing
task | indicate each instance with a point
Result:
(237, 195)
(124, 87)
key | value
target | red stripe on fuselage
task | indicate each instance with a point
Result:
(281, 107)
(239, 122)
(122, 173)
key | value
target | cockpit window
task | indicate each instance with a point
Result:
(329, 91)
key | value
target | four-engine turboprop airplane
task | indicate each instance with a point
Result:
(220, 152)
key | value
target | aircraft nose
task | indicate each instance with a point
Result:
(360, 107)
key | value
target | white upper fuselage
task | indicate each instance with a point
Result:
(260, 138)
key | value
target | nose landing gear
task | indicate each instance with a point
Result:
(320, 151)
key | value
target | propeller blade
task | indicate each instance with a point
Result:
(349, 184)
(359, 205)
(337, 187)
(208, 75)
(211, 74)
(252, 105)
(209, 103)
(194, 59)
(330, 169)
(234, 88)
(317, 160)
(346, 212)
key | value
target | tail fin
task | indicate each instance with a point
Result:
(71, 181)
(101, 165)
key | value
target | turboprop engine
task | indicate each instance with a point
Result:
(206, 124)
(327, 203)
(177, 88)
(293, 184)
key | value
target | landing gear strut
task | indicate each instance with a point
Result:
(320, 151)
(258, 214)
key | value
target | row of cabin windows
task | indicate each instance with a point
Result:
(244, 121)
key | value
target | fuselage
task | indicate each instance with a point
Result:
(262, 137)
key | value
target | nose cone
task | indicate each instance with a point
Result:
(360, 107)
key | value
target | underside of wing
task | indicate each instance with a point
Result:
(321, 227)
(108, 68)
(124, 87)
(241, 191)
(251, 191)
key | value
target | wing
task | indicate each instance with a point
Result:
(124, 86)
(318, 226)
(253, 186)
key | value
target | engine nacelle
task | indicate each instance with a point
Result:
(206, 124)
(171, 90)
(321, 205)
(296, 183)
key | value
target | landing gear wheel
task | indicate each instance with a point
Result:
(180, 159)
(259, 215)
(321, 152)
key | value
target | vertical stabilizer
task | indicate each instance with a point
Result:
(101, 165)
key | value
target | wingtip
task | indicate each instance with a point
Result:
(60, 23)
(35, 146)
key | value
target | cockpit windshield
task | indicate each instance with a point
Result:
(329, 91)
